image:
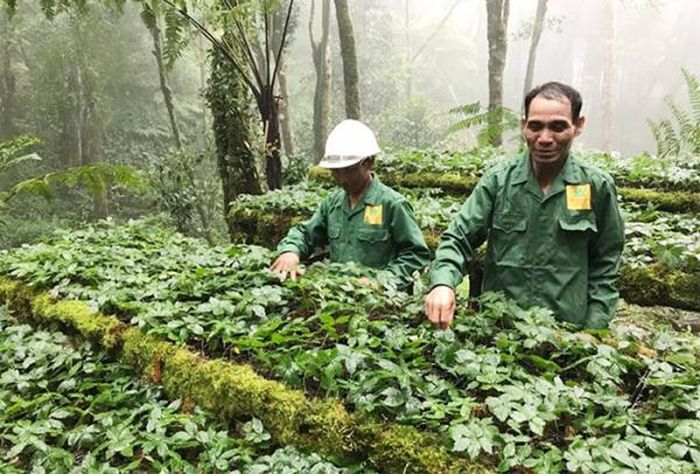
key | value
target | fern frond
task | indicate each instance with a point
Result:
(468, 109)
(18, 160)
(670, 143)
(148, 15)
(469, 122)
(96, 178)
(39, 186)
(693, 84)
(22, 145)
(684, 121)
(175, 36)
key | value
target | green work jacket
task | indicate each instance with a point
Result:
(560, 250)
(380, 232)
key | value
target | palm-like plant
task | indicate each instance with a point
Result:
(95, 177)
(681, 138)
(492, 122)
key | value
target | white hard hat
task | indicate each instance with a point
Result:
(348, 143)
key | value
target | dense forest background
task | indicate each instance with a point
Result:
(203, 105)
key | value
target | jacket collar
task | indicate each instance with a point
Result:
(570, 173)
(371, 196)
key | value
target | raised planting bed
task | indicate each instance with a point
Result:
(505, 388)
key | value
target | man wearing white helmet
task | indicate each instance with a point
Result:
(365, 221)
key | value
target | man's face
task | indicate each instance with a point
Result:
(549, 130)
(353, 177)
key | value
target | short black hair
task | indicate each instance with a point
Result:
(556, 90)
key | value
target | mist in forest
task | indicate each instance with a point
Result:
(626, 55)
(86, 84)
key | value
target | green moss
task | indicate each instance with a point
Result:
(90, 324)
(671, 201)
(262, 228)
(402, 449)
(684, 290)
(15, 295)
(328, 423)
(7, 287)
(657, 285)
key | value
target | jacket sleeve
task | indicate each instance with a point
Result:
(412, 252)
(604, 254)
(304, 237)
(465, 234)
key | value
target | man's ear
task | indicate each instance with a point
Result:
(580, 123)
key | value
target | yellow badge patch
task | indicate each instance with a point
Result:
(373, 215)
(578, 197)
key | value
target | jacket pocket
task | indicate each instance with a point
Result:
(510, 222)
(507, 238)
(373, 235)
(579, 223)
(374, 247)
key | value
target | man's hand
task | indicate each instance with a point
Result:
(287, 264)
(440, 306)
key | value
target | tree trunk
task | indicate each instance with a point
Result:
(537, 28)
(285, 117)
(71, 115)
(609, 86)
(283, 103)
(497, 26)
(93, 149)
(202, 62)
(322, 94)
(269, 111)
(351, 77)
(7, 81)
(164, 86)
(229, 100)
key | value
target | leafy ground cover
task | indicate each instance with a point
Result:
(507, 386)
(65, 407)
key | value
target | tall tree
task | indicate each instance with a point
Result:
(610, 79)
(351, 77)
(241, 20)
(537, 28)
(321, 51)
(93, 134)
(151, 17)
(229, 100)
(497, 27)
(278, 22)
(7, 79)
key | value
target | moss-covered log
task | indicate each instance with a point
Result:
(257, 228)
(456, 184)
(670, 201)
(236, 392)
(657, 285)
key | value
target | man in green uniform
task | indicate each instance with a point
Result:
(554, 230)
(365, 221)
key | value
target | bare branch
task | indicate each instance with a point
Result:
(437, 29)
(282, 42)
(226, 51)
(249, 53)
(267, 44)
